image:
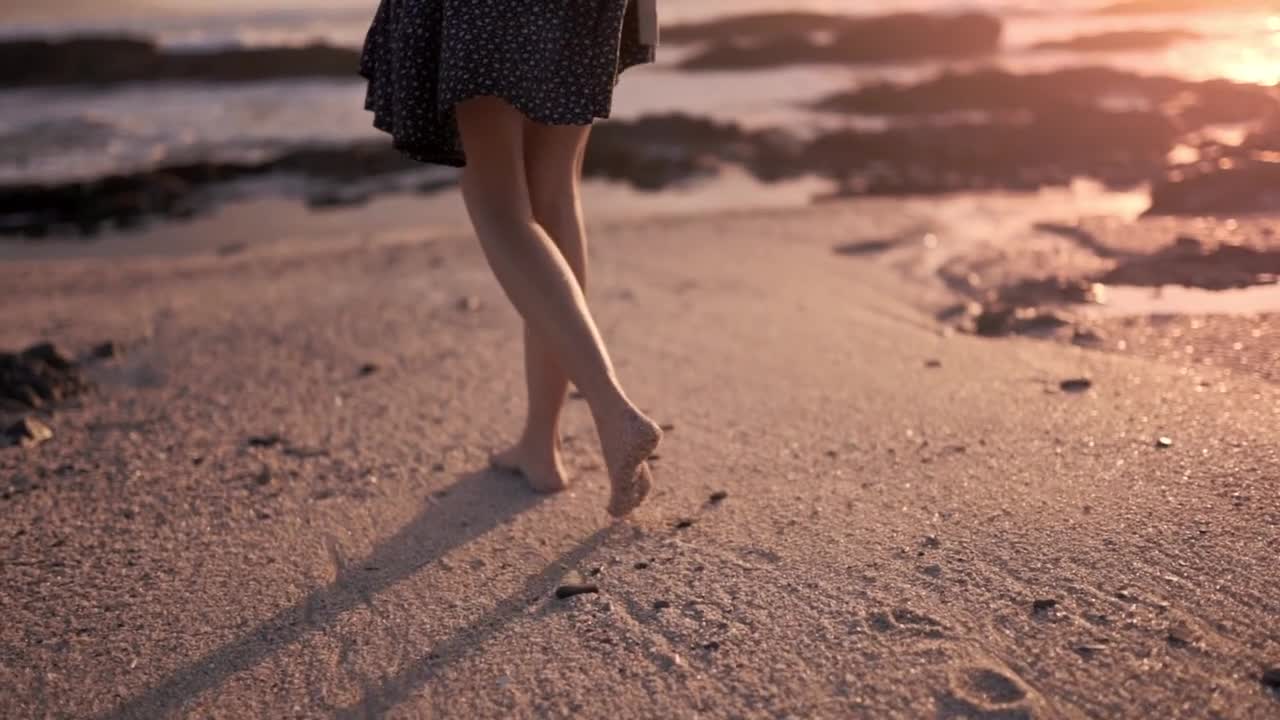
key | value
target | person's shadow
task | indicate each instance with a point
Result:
(434, 532)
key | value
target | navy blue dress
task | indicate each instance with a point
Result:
(557, 61)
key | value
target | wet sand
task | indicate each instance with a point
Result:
(276, 504)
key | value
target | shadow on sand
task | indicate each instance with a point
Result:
(431, 535)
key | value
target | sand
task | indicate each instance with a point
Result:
(912, 523)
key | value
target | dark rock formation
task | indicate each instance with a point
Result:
(786, 39)
(1226, 180)
(38, 377)
(174, 191)
(1248, 185)
(992, 92)
(110, 60)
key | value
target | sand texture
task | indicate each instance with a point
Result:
(276, 502)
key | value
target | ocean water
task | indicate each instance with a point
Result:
(57, 134)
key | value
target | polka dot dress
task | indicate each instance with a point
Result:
(557, 61)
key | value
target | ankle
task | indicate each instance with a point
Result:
(537, 444)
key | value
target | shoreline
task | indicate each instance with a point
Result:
(1079, 265)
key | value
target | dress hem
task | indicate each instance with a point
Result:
(435, 156)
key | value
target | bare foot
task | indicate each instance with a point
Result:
(628, 440)
(544, 474)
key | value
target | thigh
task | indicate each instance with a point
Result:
(553, 157)
(492, 134)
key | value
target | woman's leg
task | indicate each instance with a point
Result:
(540, 283)
(553, 158)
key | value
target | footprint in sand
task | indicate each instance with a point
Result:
(985, 693)
(994, 687)
(905, 620)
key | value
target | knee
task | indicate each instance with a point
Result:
(555, 206)
(492, 201)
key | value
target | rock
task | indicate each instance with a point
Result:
(931, 541)
(1088, 337)
(1077, 90)
(661, 604)
(684, 523)
(1075, 385)
(470, 303)
(368, 369)
(866, 247)
(265, 441)
(669, 661)
(1177, 640)
(1233, 185)
(667, 427)
(1271, 679)
(108, 350)
(178, 190)
(50, 355)
(1223, 267)
(28, 433)
(569, 590)
(1189, 244)
(995, 321)
(1039, 322)
(641, 565)
(263, 477)
(1088, 650)
(38, 376)
(932, 570)
(1164, 443)
(933, 364)
(98, 60)
(774, 42)
(1043, 607)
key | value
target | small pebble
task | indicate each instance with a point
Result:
(719, 496)
(265, 441)
(1089, 650)
(105, 351)
(1271, 679)
(1075, 385)
(1041, 607)
(667, 427)
(28, 432)
(368, 369)
(470, 303)
(933, 364)
(1164, 442)
(641, 565)
(684, 523)
(661, 604)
